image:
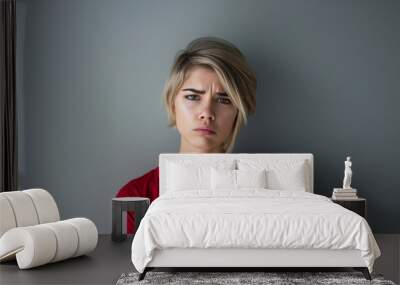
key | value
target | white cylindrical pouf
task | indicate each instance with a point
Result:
(87, 233)
(7, 218)
(33, 245)
(45, 205)
(23, 208)
(31, 232)
(67, 239)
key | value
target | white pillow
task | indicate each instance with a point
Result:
(281, 174)
(288, 179)
(251, 178)
(189, 175)
(236, 179)
(223, 179)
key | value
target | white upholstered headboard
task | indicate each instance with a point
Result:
(306, 157)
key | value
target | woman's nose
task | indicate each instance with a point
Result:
(207, 113)
(206, 116)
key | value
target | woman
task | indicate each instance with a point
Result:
(208, 96)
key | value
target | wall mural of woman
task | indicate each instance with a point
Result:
(208, 96)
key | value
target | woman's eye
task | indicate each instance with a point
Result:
(192, 97)
(224, 101)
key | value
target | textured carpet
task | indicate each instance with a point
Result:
(229, 278)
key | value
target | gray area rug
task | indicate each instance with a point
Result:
(229, 278)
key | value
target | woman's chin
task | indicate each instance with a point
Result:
(204, 146)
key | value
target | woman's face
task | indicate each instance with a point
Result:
(203, 111)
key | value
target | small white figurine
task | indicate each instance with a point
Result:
(347, 174)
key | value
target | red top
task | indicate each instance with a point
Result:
(143, 186)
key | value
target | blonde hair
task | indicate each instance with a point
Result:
(232, 69)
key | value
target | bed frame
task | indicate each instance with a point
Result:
(250, 258)
(242, 259)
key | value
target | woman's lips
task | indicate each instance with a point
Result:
(205, 131)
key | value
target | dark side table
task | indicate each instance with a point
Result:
(137, 204)
(358, 205)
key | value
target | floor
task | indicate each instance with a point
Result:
(110, 260)
(389, 262)
(102, 266)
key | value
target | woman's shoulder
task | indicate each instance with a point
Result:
(151, 172)
(140, 183)
(150, 175)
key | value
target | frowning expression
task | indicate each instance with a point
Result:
(204, 112)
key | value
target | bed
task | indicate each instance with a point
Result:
(247, 210)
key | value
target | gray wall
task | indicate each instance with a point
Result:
(92, 71)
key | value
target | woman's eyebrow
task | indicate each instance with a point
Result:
(202, 91)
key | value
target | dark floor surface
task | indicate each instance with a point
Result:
(110, 259)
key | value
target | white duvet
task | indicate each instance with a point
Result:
(251, 218)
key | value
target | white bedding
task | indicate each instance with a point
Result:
(250, 218)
